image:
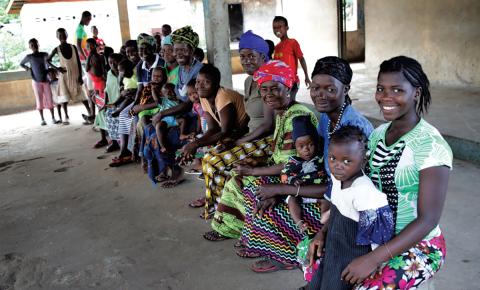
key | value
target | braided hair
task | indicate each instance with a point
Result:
(413, 72)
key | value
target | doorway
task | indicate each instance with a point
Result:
(351, 30)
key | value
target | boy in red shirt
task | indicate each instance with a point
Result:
(288, 50)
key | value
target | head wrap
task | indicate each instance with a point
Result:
(254, 42)
(335, 67)
(302, 126)
(167, 40)
(145, 38)
(275, 70)
(186, 35)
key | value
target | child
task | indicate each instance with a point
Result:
(112, 94)
(41, 88)
(70, 77)
(98, 40)
(288, 50)
(59, 99)
(198, 54)
(306, 168)
(360, 217)
(96, 69)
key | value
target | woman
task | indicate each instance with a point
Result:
(275, 235)
(275, 80)
(217, 165)
(420, 160)
(224, 109)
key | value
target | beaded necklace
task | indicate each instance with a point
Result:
(337, 125)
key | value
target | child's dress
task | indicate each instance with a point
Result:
(58, 98)
(360, 219)
(306, 172)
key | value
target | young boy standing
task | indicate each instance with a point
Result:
(288, 50)
(38, 67)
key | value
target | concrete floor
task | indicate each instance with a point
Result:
(68, 221)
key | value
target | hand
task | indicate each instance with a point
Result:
(188, 151)
(157, 118)
(80, 80)
(115, 113)
(62, 70)
(359, 269)
(264, 205)
(243, 170)
(266, 191)
(315, 249)
(308, 82)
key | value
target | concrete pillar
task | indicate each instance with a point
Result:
(217, 35)
(123, 18)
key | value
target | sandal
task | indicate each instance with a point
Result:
(197, 203)
(116, 162)
(193, 171)
(214, 236)
(269, 265)
(100, 144)
(112, 147)
(243, 253)
(172, 183)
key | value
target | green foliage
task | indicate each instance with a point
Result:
(4, 17)
(11, 48)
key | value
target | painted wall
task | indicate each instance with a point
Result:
(443, 35)
(41, 21)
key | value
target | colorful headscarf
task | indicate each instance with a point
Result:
(254, 42)
(145, 38)
(335, 67)
(186, 35)
(275, 70)
(167, 40)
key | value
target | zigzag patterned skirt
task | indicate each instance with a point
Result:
(275, 235)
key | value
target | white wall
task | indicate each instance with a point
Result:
(41, 21)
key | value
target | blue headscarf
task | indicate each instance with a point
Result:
(254, 42)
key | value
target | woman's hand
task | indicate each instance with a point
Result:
(264, 205)
(62, 70)
(243, 170)
(266, 191)
(137, 109)
(188, 151)
(359, 269)
(157, 118)
(315, 249)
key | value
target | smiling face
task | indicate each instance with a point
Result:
(145, 51)
(274, 94)
(251, 60)
(167, 52)
(204, 86)
(306, 147)
(132, 54)
(346, 160)
(396, 97)
(327, 93)
(182, 53)
(279, 29)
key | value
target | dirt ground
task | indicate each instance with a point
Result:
(68, 221)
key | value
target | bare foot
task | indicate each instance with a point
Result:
(176, 179)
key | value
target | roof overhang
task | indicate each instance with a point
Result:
(15, 6)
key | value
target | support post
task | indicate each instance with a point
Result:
(123, 19)
(217, 34)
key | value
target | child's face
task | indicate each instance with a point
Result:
(279, 29)
(52, 75)
(123, 73)
(62, 36)
(192, 95)
(346, 160)
(305, 147)
(157, 76)
(94, 31)
(113, 65)
(91, 47)
(168, 92)
(33, 46)
(132, 54)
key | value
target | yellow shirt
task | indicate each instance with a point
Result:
(223, 98)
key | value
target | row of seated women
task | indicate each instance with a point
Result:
(355, 207)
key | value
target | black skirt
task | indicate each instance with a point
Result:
(340, 250)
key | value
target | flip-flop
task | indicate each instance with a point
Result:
(242, 253)
(214, 236)
(112, 147)
(172, 183)
(269, 265)
(100, 144)
(197, 203)
(193, 171)
(121, 161)
(238, 245)
(66, 123)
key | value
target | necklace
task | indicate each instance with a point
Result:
(337, 125)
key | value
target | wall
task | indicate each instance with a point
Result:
(17, 93)
(443, 35)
